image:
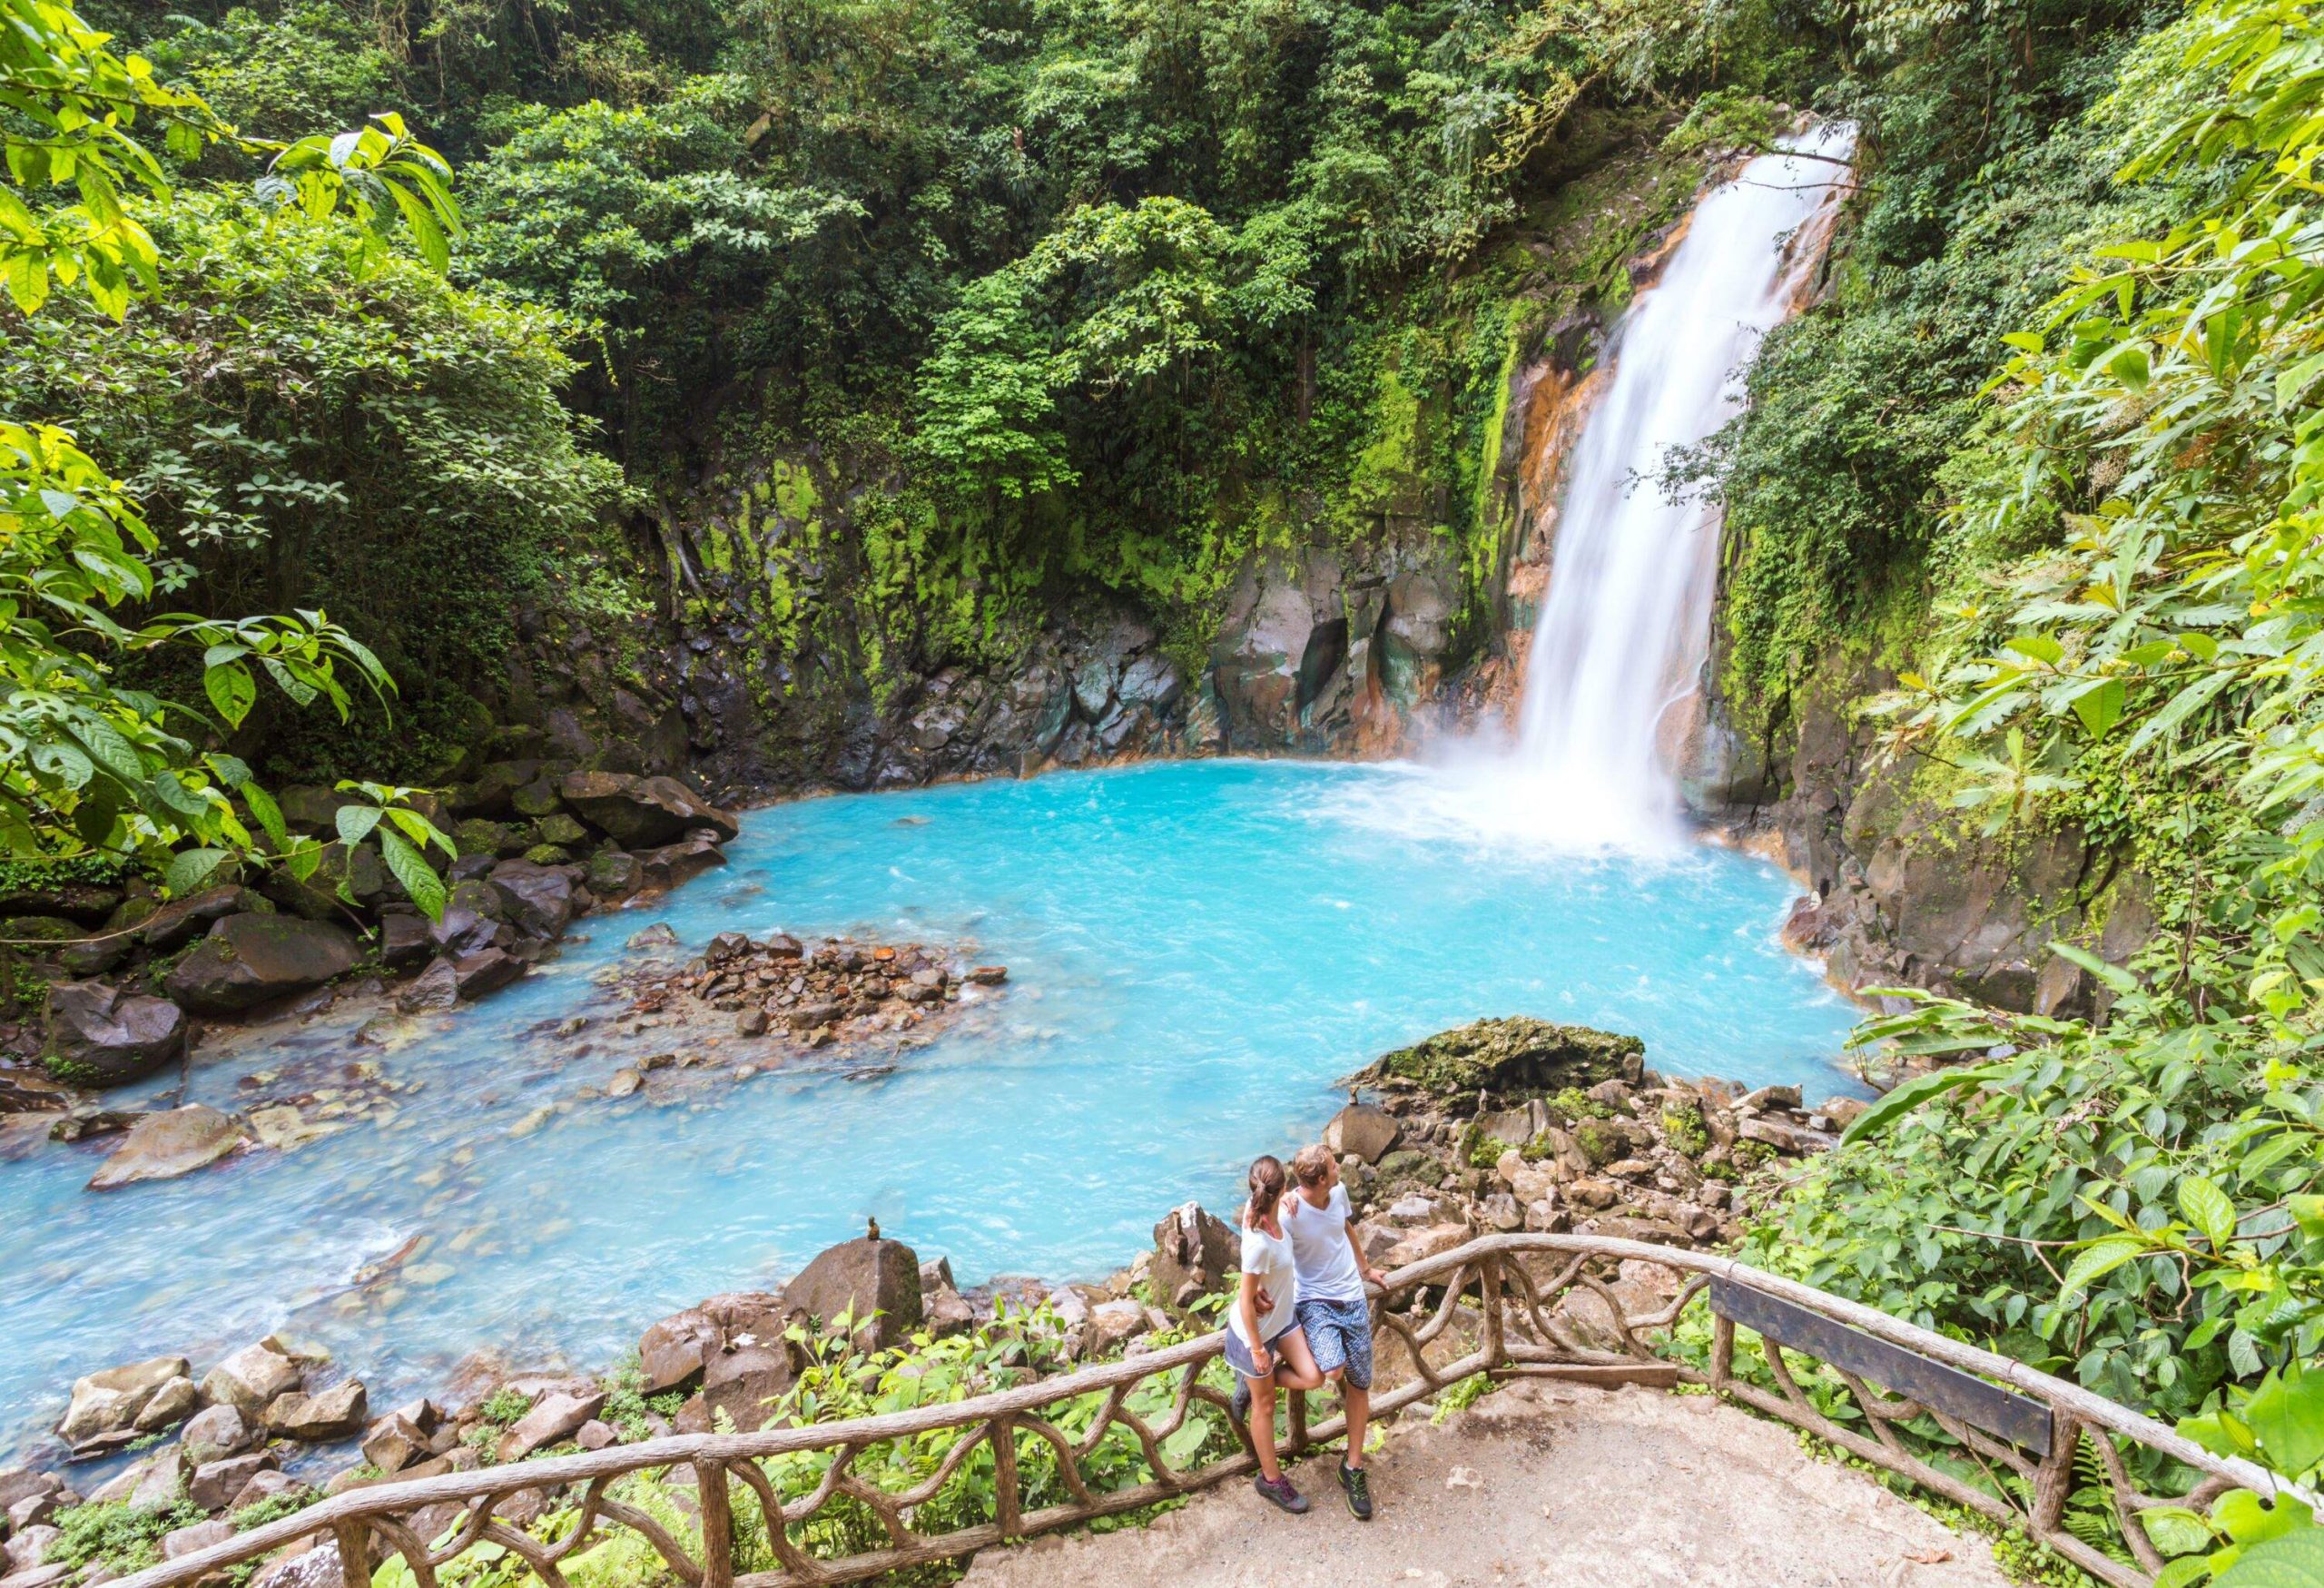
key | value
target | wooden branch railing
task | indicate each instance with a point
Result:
(1497, 1305)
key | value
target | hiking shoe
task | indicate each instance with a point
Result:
(1282, 1494)
(1358, 1490)
(1238, 1414)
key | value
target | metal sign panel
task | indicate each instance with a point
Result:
(2020, 1419)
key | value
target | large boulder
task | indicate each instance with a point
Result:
(642, 811)
(215, 1483)
(217, 1431)
(538, 899)
(337, 1413)
(19, 1484)
(745, 1382)
(200, 1536)
(451, 977)
(673, 865)
(162, 1482)
(181, 920)
(682, 1349)
(1193, 1252)
(553, 1418)
(172, 1404)
(249, 959)
(1363, 1131)
(163, 1146)
(396, 1442)
(614, 873)
(860, 1278)
(1498, 1057)
(404, 938)
(25, 1551)
(673, 1352)
(27, 1091)
(84, 902)
(252, 1378)
(101, 1036)
(105, 1404)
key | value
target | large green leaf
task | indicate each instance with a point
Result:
(2293, 1561)
(2114, 976)
(426, 888)
(2286, 1414)
(355, 822)
(2101, 1257)
(1904, 1099)
(2207, 1208)
(231, 690)
(192, 870)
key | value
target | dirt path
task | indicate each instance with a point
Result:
(1544, 1483)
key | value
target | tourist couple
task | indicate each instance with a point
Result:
(1299, 1316)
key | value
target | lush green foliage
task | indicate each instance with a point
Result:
(306, 428)
(87, 764)
(2125, 637)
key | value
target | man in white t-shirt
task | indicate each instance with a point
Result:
(1333, 1312)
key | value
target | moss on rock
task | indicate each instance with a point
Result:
(1519, 1054)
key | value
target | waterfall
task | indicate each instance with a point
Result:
(1619, 644)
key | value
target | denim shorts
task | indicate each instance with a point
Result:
(1239, 1355)
(1340, 1334)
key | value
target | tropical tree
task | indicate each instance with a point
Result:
(87, 765)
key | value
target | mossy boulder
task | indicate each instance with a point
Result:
(1600, 1141)
(1409, 1166)
(1516, 1055)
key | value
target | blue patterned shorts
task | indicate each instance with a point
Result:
(1340, 1334)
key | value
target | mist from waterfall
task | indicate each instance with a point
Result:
(1614, 667)
(1618, 648)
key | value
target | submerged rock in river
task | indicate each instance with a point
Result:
(161, 1147)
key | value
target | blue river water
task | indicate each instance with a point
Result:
(1197, 952)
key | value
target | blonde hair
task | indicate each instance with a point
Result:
(1314, 1165)
(1267, 1183)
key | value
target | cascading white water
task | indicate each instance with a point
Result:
(1622, 634)
(1619, 645)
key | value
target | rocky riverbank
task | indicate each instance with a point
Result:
(1500, 1125)
(740, 1008)
(133, 981)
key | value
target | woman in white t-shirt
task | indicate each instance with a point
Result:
(1264, 1345)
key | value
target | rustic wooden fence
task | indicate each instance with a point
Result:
(1501, 1305)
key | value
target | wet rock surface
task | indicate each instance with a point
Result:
(247, 959)
(163, 1146)
(1903, 888)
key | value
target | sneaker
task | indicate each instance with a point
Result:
(1238, 1414)
(1357, 1485)
(1282, 1494)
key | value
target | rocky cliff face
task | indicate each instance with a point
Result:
(1908, 889)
